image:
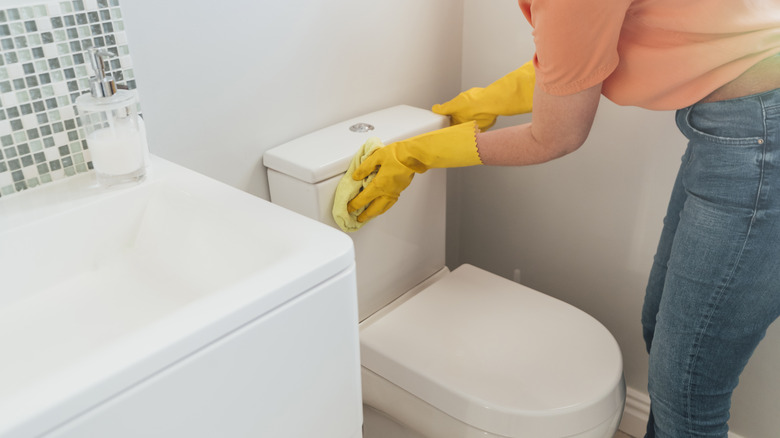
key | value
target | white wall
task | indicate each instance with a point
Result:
(223, 81)
(585, 228)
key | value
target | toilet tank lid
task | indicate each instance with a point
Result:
(327, 152)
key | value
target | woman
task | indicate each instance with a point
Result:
(715, 284)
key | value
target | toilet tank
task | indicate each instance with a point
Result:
(394, 252)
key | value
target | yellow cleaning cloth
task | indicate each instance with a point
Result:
(349, 188)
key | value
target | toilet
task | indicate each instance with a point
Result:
(450, 354)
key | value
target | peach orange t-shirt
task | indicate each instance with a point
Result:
(656, 54)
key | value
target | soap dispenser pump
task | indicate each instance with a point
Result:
(114, 134)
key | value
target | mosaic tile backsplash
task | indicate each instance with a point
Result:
(43, 69)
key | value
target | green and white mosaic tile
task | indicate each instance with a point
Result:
(43, 69)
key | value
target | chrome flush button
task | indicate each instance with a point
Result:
(361, 127)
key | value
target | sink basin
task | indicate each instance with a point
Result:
(102, 288)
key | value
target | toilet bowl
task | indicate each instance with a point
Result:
(450, 354)
(493, 359)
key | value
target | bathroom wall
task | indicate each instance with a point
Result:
(584, 228)
(43, 69)
(221, 82)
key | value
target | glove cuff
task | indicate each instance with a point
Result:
(511, 94)
(454, 146)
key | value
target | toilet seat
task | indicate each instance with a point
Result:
(498, 356)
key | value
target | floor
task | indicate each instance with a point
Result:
(620, 434)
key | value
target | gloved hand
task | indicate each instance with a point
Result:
(455, 146)
(508, 96)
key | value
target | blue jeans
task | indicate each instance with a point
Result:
(715, 283)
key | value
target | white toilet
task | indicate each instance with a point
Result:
(456, 354)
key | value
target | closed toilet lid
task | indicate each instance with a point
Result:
(499, 356)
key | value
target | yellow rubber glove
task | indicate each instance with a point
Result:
(508, 96)
(396, 164)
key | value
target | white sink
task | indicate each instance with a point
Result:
(103, 288)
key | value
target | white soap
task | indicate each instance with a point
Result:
(116, 150)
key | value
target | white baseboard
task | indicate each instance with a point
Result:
(637, 411)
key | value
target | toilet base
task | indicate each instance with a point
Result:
(377, 424)
(384, 404)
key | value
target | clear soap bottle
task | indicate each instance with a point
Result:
(114, 135)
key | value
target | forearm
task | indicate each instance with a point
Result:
(516, 146)
(560, 125)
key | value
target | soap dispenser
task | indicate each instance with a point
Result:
(114, 135)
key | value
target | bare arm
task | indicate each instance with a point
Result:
(559, 126)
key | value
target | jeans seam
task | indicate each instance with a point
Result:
(721, 292)
(691, 152)
(766, 130)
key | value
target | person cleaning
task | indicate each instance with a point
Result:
(714, 287)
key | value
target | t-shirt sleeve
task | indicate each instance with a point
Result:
(576, 41)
